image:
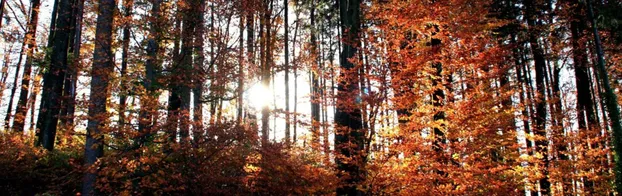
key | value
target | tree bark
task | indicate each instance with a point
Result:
(286, 50)
(7, 118)
(348, 136)
(183, 70)
(53, 79)
(53, 22)
(585, 106)
(148, 101)
(5, 69)
(21, 110)
(265, 70)
(199, 71)
(611, 101)
(532, 16)
(2, 2)
(250, 35)
(315, 86)
(240, 89)
(127, 9)
(103, 66)
(295, 118)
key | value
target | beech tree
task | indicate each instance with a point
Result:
(53, 79)
(100, 81)
(349, 136)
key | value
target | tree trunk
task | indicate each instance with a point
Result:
(66, 100)
(199, 62)
(149, 100)
(540, 118)
(315, 86)
(33, 99)
(611, 101)
(5, 69)
(172, 121)
(127, 22)
(7, 118)
(585, 110)
(53, 79)
(53, 22)
(212, 73)
(295, 118)
(348, 136)
(286, 50)
(183, 71)
(585, 106)
(71, 103)
(265, 70)
(250, 36)
(30, 39)
(240, 89)
(100, 73)
(2, 2)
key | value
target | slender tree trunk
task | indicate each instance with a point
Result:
(540, 99)
(33, 99)
(7, 118)
(67, 86)
(127, 22)
(611, 101)
(5, 69)
(240, 90)
(2, 2)
(199, 62)
(585, 109)
(250, 33)
(315, 86)
(149, 100)
(265, 71)
(348, 135)
(295, 118)
(174, 103)
(21, 110)
(286, 50)
(322, 96)
(183, 70)
(438, 101)
(76, 66)
(53, 79)
(102, 68)
(585, 106)
(212, 72)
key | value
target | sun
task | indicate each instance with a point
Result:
(259, 95)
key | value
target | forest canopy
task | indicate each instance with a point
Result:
(310, 97)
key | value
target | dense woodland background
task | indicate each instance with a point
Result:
(310, 97)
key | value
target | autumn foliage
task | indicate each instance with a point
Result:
(311, 97)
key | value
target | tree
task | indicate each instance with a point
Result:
(2, 11)
(315, 85)
(532, 15)
(100, 76)
(610, 99)
(266, 40)
(241, 61)
(30, 39)
(286, 63)
(348, 134)
(199, 62)
(68, 103)
(127, 20)
(53, 78)
(149, 98)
